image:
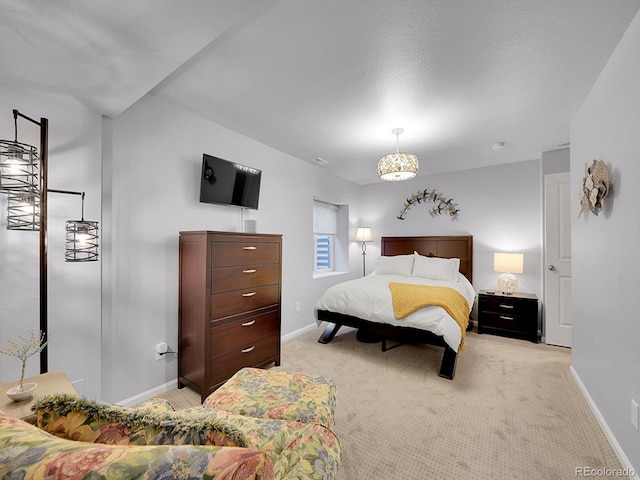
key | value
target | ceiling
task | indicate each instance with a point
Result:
(332, 78)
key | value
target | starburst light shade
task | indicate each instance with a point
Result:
(397, 166)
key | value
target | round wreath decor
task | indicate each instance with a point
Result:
(441, 204)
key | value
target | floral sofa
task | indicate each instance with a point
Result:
(260, 424)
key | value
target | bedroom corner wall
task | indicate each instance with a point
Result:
(606, 354)
(152, 193)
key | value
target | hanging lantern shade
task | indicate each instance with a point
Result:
(18, 167)
(23, 211)
(81, 241)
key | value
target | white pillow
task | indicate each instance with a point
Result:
(395, 265)
(436, 268)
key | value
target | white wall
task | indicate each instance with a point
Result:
(605, 263)
(153, 169)
(500, 206)
(74, 288)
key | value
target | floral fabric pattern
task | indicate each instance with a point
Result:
(278, 395)
(297, 450)
(29, 453)
(152, 423)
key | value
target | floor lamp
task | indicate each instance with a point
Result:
(363, 234)
(18, 174)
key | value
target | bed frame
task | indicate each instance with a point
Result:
(457, 246)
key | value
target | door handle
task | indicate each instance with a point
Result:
(247, 350)
(250, 294)
(251, 270)
(249, 248)
(248, 324)
(551, 268)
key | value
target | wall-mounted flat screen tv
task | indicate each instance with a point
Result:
(229, 183)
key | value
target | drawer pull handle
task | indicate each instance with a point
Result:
(250, 294)
(505, 306)
(249, 248)
(247, 350)
(248, 324)
(251, 270)
(506, 318)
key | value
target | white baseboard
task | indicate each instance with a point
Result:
(149, 394)
(300, 332)
(626, 464)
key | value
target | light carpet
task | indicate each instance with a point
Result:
(513, 411)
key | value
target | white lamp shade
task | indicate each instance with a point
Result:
(508, 262)
(363, 234)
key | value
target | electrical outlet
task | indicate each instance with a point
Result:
(634, 413)
(161, 349)
(297, 307)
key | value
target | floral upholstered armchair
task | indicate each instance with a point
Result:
(286, 417)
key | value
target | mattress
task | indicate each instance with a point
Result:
(369, 298)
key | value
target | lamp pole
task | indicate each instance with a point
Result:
(44, 154)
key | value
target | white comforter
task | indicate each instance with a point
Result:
(369, 298)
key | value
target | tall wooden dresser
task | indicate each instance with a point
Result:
(228, 305)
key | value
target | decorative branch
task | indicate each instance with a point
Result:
(441, 204)
(24, 348)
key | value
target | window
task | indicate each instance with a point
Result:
(325, 227)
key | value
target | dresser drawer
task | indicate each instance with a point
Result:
(510, 306)
(246, 253)
(251, 354)
(232, 303)
(237, 278)
(233, 336)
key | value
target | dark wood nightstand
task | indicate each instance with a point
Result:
(514, 315)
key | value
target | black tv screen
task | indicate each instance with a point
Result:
(229, 183)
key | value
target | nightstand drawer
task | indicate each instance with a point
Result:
(508, 306)
(513, 323)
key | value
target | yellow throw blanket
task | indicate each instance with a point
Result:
(407, 298)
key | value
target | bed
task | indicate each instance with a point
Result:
(431, 325)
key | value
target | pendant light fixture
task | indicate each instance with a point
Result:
(397, 166)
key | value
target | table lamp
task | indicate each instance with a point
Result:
(508, 264)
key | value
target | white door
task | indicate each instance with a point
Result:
(557, 259)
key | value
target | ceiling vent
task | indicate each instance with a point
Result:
(320, 161)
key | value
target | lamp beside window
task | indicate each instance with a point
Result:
(508, 264)
(363, 234)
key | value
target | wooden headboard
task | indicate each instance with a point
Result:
(455, 246)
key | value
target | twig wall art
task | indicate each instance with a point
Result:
(441, 204)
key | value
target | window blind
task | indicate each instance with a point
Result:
(325, 218)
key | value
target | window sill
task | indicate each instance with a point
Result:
(327, 274)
